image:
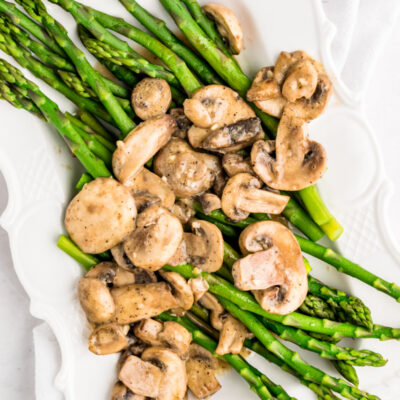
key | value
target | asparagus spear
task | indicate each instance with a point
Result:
(160, 30)
(329, 351)
(291, 358)
(246, 301)
(317, 307)
(347, 371)
(68, 246)
(348, 308)
(85, 16)
(35, 29)
(50, 110)
(249, 373)
(91, 121)
(85, 70)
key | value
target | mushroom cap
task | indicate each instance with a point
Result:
(285, 62)
(210, 302)
(242, 195)
(174, 380)
(234, 164)
(183, 210)
(229, 138)
(180, 289)
(227, 25)
(177, 337)
(146, 183)
(96, 300)
(276, 269)
(108, 339)
(141, 377)
(200, 368)
(155, 239)
(188, 172)
(109, 273)
(100, 215)
(121, 392)
(140, 145)
(151, 97)
(147, 330)
(209, 202)
(215, 106)
(137, 301)
(299, 162)
(199, 286)
(232, 336)
(182, 123)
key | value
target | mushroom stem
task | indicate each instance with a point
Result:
(252, 376)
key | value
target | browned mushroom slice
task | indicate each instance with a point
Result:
(299, 161)
(174, 379)
(140, 145)
(141, 377)
(138, 301)
(147, 330)
(183, 210)
(96, 300)
(266, 94)
(276, 269)
(215, 106)
(121, 392)
(232, 336)
(180, 290)
(148, 186)
(175, 336)
(217, 311)
(135, 349)
(155, 239)
(199, 287)
(188, 172)
(227, 25)
(108, 339)
(234, 164)
(110, 273)
(151, 97)
(242, 195)
(209, 202)
(200, 369)
(100, 215)
(285, 62)
(182, 123)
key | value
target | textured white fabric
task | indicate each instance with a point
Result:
(362, 29)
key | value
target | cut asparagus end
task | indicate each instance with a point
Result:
(332, 229)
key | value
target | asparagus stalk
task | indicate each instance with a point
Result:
(291, 358)
(50, 110)
(317, 307)
(188, 81)
(158, 28)
(35, 29)
(347, 371)
(249, 373)
(68, 246)
(48, 75)
(122, 73)
(347, 308)
(93, 123)
(329, 351)
(85, 70)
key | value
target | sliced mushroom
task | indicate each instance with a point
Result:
(121, 392)
(232, 336)
(234, 164)
(299, 162)
(183, 210)
(285, 62)
(227, 25)
(182, 122)
(174, 380)
(137, 301)
(155, 239)
(199, 287)
(140, 145)
(151, 97)
(217, 311)
(275, 269)
(242, 195)
(100, 215)
(209, 202)
(147, 330)
(266, 94)
(108, 339)
(188, 172)
(215, 106)
(141, 377)
(200, 369)
(110, 273)
(135, 349)
(180, 290)
(147, 186)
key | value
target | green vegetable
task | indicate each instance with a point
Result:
(347, 371)
(68, 246)
(317, 307)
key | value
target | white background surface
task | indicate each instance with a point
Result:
(382, 104)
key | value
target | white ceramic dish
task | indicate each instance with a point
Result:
(40, 176)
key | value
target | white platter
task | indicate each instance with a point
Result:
(40, 176)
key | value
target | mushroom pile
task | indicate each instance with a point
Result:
(212, 151)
